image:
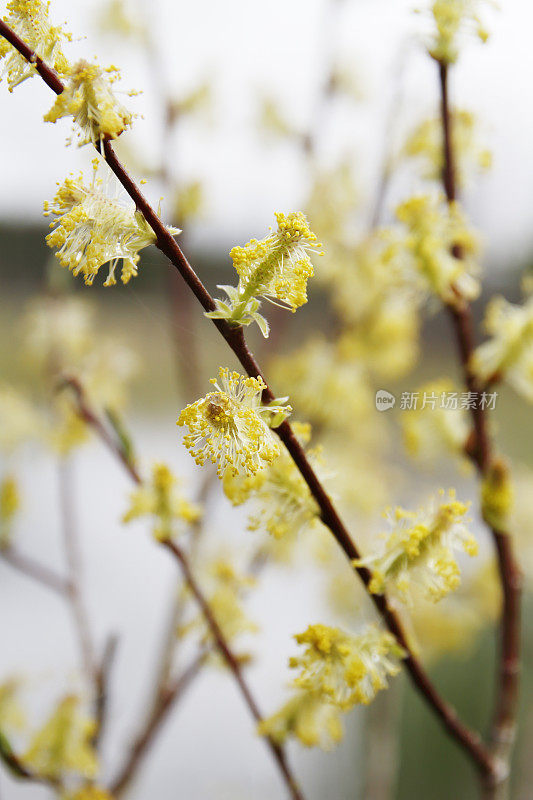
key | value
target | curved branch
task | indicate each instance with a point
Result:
(166, 700)
(507, 689)
(468, 739)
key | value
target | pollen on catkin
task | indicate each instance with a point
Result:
(30, 20)
(9, 505)
(92, 229)
(89, 99)
(282, 502)
(64, 744)
(308, 717)
(162, 500)
(508, 353)
(275, 268)
(438, 250)
(454, 19)
(346, 668)
(337, 670)
(421, 549)
(228, 427)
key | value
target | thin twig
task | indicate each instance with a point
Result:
(231, 660)
(35, 570)
(233, 664)
(101, 685)
(162, 682)
(19, 770)
(504, 719)
(73, 556)
(167, 699)
(234, 336)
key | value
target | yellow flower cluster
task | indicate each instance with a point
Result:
(332, 207)
(508, 354)
(60, 342)
(371, 297)
(328, 389)
(162, 500)
(425, 144)
(117, 17)
(63, 745)
(436, 425)
(284, 505)
(88, 95)
(91, 230)
(30, 20)
(336, 671)
(437, 253)
(420, 550)
(224, 587)
(11, 714)
(521, 521)
(19, 419)
(276, 268)
(454, 625)
(452, 19)
(88, 793)
(9, 505)
(497, 495)
(197, 100)
(347, 669)
(89, 99)
(188, 202)
(272, 119)
(308, 717)
(228, 427)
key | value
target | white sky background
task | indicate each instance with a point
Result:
(247, 45)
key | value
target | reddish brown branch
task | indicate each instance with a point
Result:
(167, 698)
(101, 686)
(233, 664)
(506, 707)
(231, 661)
(468, 739)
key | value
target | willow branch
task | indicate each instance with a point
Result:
(506, 706)
(210, 619)
(166, 701)
(165, 691)
(16, 767)
(35, 570)
(329, 516)
(73, 556)
(234, 336)
(101, 685)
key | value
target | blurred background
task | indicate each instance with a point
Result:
(242, 106)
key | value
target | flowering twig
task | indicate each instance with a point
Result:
(231, 660)
(18, 769)
(234, 336)
(166, 690)
(504, 720)
(33, 569)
